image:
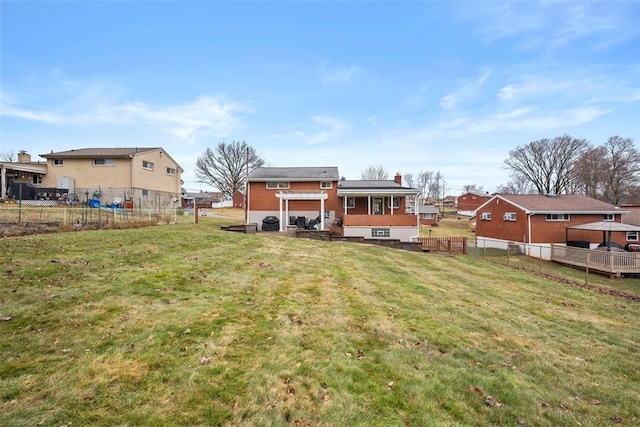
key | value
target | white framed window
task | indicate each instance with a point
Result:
(509, 216)
(558, 217)
(277, 185)
(380, 232)
(145, 192)
(171, 171)
(632, 236)
(608, 217)
(104, 162)
(326, 184)
(485, 216)
(147, 165)
(394, 202)
(351, 202)
(428, 215)
(58, 162)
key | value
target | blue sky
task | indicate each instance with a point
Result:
(422, 85)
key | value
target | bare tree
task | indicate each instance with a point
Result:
(518, 184)
(548, 163)
(471, 188)
(409, 180)
(374, 173)
(8, 156)
(227, 165)
(588, 173)
(623, 171)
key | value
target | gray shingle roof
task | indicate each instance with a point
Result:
(370, 184)
(98, 152)
(295, 174)
(539, 203)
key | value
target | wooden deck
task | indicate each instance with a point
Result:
(613, 263)
(450, 245)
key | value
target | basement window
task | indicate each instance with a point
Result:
(380, 232)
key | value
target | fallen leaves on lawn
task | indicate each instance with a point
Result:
(6, 318)
(325, 392)
(491, 402)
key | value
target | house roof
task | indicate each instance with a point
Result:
(98, 152)
(423, 209)
(371, 187)
(562, 203)
(605, 226)
(295, 174)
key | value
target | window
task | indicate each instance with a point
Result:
(171, 171)
(280, 185)
(509, 216)
(147, 165)
(37, 179)
(326, 184)
(351, 202)
(632, 236)
(103, 162)
(395, 201)
(58, 162)
(380, 232)
(485, 216)
(608, 217)
(557, 217)
(145, 192)
(428, 216)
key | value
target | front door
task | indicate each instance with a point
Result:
(378, 206)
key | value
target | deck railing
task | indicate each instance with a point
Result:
(614, 263)
(451, 245)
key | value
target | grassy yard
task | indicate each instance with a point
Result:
(190, 325)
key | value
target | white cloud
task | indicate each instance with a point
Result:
(329, 128)
(340, 75)
(468, 89)
(186, 121)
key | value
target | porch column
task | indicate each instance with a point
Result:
(369, 205)
(280, 201)
(3, 182)
(286, 211)
(321, 214)
(391, 204)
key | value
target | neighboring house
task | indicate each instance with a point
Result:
(239, 198)
(144, 177)
(24, 171)
(543, 220)
(368, 209)
(633, 218)
(470, 201)
(202, 199)
(428, 214)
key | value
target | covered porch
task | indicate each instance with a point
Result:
(285, 197)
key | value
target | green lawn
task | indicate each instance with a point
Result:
(190, 325)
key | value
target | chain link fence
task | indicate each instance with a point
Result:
(22, 220)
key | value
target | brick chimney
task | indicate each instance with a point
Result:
(24, 157)
(398, 178)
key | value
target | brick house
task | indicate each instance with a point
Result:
(470, 201)
(369, 209)
(238, 199)
(543, 220)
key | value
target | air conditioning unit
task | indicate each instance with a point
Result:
(485, 216)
